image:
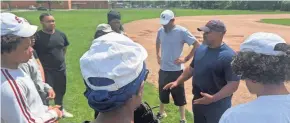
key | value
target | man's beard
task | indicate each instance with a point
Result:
(166, 28)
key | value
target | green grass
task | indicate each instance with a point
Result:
(284, 21)
(80, 26)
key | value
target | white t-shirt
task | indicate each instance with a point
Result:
(20, 101)
(265, 109)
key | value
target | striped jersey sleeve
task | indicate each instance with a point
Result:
(17, 101)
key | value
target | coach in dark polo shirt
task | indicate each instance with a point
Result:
(50, 46)
(213, 79)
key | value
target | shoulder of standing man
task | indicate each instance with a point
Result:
(160, 29)
(59, 31)
(158, 34)
(181, 28)
(38, 34)
(232, 114)
(187, 36)
(63, 36)
(227, 52)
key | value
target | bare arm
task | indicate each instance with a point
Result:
(187, 74)
(190, 55)
(226, 91)
(157, 49)
(158, 43)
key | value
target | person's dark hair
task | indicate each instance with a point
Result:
(44, 15)
(9, 43)
(265, 69)
(99, 34)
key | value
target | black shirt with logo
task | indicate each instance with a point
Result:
(50, 49)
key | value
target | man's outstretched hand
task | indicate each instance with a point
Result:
(170, 85)
(205, 100)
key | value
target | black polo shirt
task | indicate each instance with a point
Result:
(50, 49)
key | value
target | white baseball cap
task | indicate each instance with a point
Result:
(114, 57)
(11, 24)
(263, 43)
(104, 27)
(166, 16)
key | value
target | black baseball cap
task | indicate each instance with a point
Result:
(213, 25)
(113, 15)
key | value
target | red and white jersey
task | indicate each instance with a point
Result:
(20, 101)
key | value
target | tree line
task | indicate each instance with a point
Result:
(239, 5)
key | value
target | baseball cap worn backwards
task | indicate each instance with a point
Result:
(263, 43)
(213, 25)
(166, 16)
(11, 24)
(113, 70)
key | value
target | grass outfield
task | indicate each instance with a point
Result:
(80, 26)
(285, 21)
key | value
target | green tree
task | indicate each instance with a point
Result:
(285, 6)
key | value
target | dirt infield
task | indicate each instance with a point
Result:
(238, 26)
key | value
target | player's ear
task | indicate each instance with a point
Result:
(172, 20)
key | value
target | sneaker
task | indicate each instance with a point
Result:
(182, 121)
(66, 114)
(160, 116)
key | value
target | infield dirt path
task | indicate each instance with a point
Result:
(238, 26)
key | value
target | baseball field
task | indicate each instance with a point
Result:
(141, 26)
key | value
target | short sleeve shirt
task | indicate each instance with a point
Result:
(50, 49)
(264, 109)
(212, 69)
(172, 43)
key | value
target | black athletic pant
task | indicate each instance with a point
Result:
(57, 80)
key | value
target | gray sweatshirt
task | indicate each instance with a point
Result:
(32, 69)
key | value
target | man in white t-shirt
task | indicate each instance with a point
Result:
(20, 101)
(264, 63)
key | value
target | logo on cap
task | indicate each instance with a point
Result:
(163, 16)
(18, 19)
(211, 22)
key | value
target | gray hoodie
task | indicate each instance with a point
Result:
(32, 69)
